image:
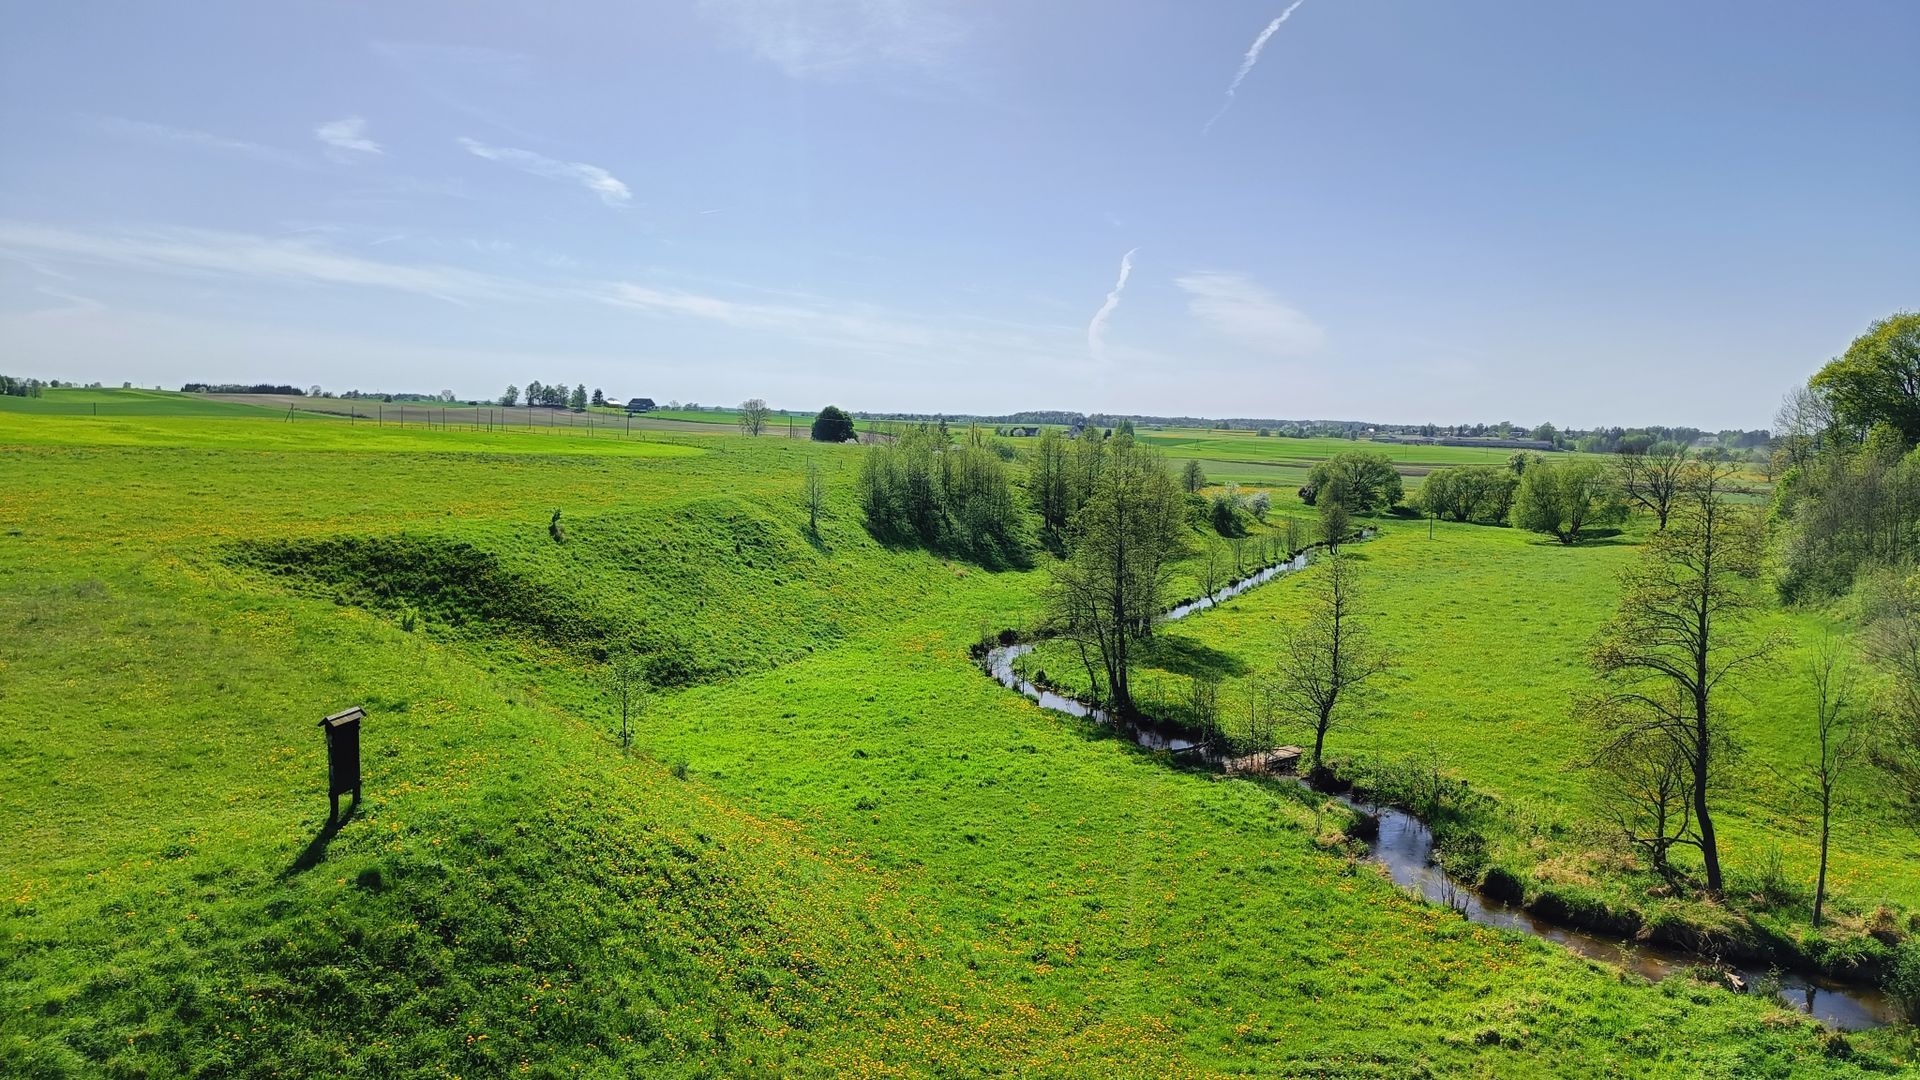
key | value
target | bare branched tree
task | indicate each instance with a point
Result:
(1800, 426)
(1653, 479)
(754, 415)
(1213, 564)
(1836, 745)
(1682, 631)
(1327, 660)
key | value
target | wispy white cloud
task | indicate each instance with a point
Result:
(201, 251)
(148, 131)
(1232, 305)
(1097, 326)
(1247, 62)
(830, 38)
(795, 318)
(607, 186)
(348, 136)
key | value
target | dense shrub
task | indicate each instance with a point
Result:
(1223, 512)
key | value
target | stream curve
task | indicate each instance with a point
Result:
(1404, 846)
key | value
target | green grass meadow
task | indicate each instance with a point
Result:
(836, 848)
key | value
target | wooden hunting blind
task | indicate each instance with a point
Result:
(343, 757)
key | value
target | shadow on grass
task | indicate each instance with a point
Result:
(1179, 655)
(1590, 538)
(316, 849)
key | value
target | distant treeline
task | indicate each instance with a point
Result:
(12, 386)
(1604, 440)
(238, 388)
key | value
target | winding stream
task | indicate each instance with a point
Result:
(1404, 845)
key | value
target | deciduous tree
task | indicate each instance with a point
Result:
(1192, 477)
(1367, 478)
(753, 415)
(1877, 380)
(1329, 658)
(1836, 746)
(1681, 635)
(1652, 479)
(833, 425)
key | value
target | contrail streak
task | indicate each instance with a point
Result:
(1252, 58)
(1097, 329)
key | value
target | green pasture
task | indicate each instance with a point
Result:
(836, 848)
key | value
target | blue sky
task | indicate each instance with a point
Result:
(1597, 213)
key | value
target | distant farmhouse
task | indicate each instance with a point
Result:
(640, 404)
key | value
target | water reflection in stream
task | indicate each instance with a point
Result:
(1404, 846)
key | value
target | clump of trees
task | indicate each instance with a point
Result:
(1847, 497)
(1477, 493)
(1061, 473)
(1877, 380)
(833, 425)
(556, 396)
(951, 495)
(1852, 507)
(1123, 540)
(16, 387)
(1365, 481)
(1567, 500)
